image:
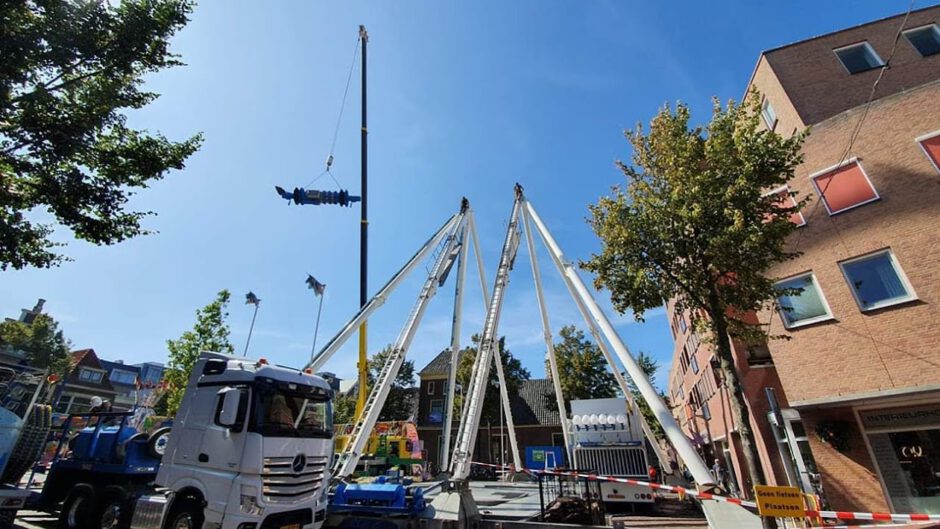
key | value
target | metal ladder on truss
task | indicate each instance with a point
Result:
(443, 257)
(469, 426)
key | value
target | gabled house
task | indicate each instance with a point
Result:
(89, 378)
(124, 379)
(538, 423)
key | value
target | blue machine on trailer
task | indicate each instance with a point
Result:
(108, 464)
(381, 497)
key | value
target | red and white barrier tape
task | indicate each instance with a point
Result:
(683, 492)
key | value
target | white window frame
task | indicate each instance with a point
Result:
(809, 321)
(431, 410)
(864, 44)
(920, 143)
(786, 187)
(91, 370)
(932, 25)
(911, 295)
(431, 387)
(850, 161)
(765, 104)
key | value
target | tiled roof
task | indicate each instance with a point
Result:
(440, 365)
(532, 405)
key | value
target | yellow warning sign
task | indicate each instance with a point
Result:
(780, 502)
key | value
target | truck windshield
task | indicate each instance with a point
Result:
(279, 414)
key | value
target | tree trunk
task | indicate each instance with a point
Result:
(737, 403)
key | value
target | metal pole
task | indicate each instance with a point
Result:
(455, 340)
(668, 422)
(250, 329)
(363, 237)
(316, 329)
(547, 335)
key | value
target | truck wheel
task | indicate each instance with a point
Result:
(187, 515)
(7, 518)
(156, 444)
(78, 510)
(113, 513)
(30, 444)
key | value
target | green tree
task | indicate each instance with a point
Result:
(344, 409)
(694, 225)
(582, 368)
(514, 373)
(649, 367)
(210, 333)
(70, 69)
(44, 344)
(399, 403)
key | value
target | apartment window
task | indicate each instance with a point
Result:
(694, 363)
(803, 308)
(123, 377)
(436, 412)
(844, 187)
(431, 387)
(767, 112)
(706, 414)
(877, 281)
(786, 201)
(682, 325)
(931, 146)
(859, 57)
(87, 375)
(759, 355)
(925, 39)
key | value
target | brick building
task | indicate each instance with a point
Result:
(537, 423)
(861, 371)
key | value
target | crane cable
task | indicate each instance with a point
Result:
(339, 118)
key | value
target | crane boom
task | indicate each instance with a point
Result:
(317, 362)
(479, 380)
(362, 429)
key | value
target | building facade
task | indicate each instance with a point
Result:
(89, 378)
(124, 379)
(861, 369)
(537, 422)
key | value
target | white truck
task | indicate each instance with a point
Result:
(250, 448)
(608, 439)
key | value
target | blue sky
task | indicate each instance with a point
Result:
(464, 100)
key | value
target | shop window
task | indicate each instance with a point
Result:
(877, 281)
(931, 146)
(786, 201)
(925, 39)
(859, 57)
(844, 187)
(803, 308)
(767, 112)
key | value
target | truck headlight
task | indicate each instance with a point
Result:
(248, 501)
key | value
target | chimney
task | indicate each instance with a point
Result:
(38, 308)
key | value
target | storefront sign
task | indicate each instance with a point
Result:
(905, 417)
(779, 502)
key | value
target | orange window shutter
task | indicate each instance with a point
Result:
(844, 188)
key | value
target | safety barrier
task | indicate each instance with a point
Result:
(684, 492)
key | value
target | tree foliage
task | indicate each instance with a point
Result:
(695, 224)
(582, 368)
(210, 333)
(399, 404)
(514, 373)
(649, 367)
(44, 344)
(70, 70)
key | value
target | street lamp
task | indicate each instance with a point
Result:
(251, 299)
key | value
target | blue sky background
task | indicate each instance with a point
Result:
(464, 100)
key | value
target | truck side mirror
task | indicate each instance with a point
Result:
(229, 404)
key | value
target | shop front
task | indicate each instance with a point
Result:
(904, 442)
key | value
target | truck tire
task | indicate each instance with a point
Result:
(30, 444)
(186, 514)
(78, 511)
(7, 518)
(156, 444)
(113, 511)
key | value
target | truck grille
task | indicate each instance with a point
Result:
(280, 484)
(612, 460)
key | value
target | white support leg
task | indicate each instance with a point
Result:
(547, 334)
(455, 340)
(682, 445)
